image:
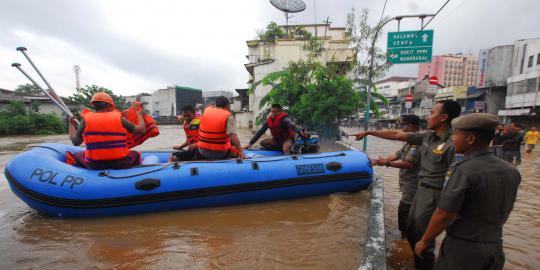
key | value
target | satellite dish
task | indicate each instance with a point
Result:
(288, 6)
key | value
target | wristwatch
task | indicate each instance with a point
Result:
(387, 163)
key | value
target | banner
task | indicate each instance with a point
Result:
(482, 69)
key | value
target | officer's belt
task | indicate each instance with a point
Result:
(422, 184)
(473, 241)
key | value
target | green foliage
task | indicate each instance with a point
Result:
(371, 63)
(18, 119)
(316, 96)
(28, 90)
(273, 32)
(84, 95)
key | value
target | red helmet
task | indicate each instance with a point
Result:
(102, 96)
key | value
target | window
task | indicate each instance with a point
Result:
(531, 85)
(538, 59)
(531, 59)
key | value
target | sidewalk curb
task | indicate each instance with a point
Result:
(375, 248)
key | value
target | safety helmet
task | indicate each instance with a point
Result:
(102, 96)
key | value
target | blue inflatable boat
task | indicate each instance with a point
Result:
(41, 179)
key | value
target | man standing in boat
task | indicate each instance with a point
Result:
(407, 161)
(478, 196)
(104, 132)
(191, 128)
(282, 129)
(436, 155)
(217, 134)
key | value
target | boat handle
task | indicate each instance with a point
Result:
(334, 166)
(147, 184)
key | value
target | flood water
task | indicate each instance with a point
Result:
(521, 231)
(326, 232)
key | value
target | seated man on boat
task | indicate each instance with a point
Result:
(104, 132)
(217, 135)
(191, 128)
(282, 129)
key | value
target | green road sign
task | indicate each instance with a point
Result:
(409, 55)
(410, 47)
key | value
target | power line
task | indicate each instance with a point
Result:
(433, 16)
(382, 13)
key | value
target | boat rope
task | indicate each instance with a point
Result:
(176, 165)
(50, 148)
(107, 174)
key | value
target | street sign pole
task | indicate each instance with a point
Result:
(370, 70)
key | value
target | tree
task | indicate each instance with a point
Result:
(83, 96)
(316, 96)
(371, 61)
(28, 90)
(273, 32)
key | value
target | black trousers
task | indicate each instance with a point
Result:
(403, 215)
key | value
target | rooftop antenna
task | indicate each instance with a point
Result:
(77, 70)
(288, 6)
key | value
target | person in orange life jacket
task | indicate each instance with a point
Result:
(282, 130)
(191, 128)
(104, 132)
(217, 135)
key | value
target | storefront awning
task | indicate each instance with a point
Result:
(514, 112)
(475, 95)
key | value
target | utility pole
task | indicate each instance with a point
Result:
(370, 70)
(77, 70)
(327, 22)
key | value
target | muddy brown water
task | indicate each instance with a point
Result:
(325, 232)
(521, 231)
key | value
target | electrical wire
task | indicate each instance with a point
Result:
(433, 16)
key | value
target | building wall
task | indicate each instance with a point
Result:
(243, 119)
(451, 70)
(390, 89)
(499, 65)
(524, 84)
(265, 57)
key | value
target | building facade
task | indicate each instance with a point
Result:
(266, 57)
(523, 98)
(494, 69)
(168, 102)
(450, 69)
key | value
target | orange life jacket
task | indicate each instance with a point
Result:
(192, 129)
(213, 130)
(104, 136)
(151, 127)
(279, 132)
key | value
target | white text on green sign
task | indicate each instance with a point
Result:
(409, 39)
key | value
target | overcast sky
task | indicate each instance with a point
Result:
(140, 46)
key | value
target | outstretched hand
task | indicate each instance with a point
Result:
(360, 135)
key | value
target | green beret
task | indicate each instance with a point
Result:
(476, 122)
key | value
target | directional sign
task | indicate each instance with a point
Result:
(408, 104)
(432, 89)
(410, 47)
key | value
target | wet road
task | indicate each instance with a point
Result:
(326, 232)
(521, 232)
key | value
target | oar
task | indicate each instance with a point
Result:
(51, 91)
(55, 101)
